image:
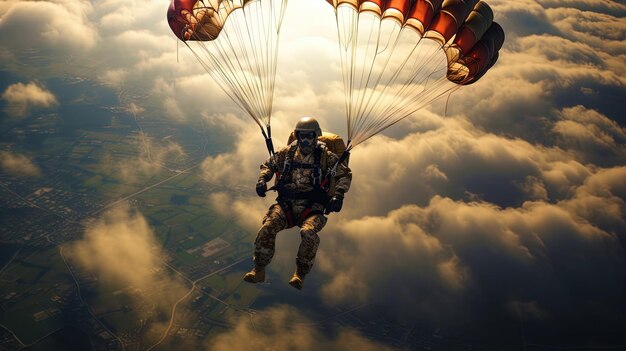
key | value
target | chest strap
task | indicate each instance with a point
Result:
(290, 165)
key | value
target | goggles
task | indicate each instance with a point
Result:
(306, 135)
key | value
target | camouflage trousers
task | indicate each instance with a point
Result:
(276, 220)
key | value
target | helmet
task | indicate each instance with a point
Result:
(308, 124)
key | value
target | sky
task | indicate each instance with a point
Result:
(503, 205)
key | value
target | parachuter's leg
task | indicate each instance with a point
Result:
(274, 221)
(308, 248)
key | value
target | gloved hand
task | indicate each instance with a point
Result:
(261, 188)
(336, 203)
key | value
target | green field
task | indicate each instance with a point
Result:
(34, 277)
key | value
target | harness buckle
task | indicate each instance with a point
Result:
(316, 174)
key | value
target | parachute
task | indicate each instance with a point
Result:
(398, 56)
(236, 42)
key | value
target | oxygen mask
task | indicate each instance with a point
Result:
(306, 141)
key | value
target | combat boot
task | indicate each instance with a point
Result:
(297, 281)
(256, 275)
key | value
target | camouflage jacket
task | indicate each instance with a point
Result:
(301, 179)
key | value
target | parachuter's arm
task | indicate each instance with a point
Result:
(272, 165)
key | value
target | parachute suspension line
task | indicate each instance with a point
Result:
(360, 88)
(416, 86)
(239, 88)
(408, 108)
(216, 73)
(218, 69)
(424, 103)
(255, 36)
(445, 111)
(240, 59)
(218, 66)
(277, 25)
(414, 72)
(243, 58)
(392, 82)
(389, 71)
(261, 55)
(350, 70)
(346, 43)
(365, 110)
(363, 88)
(412, 85)
(262, 46)
(439, 88)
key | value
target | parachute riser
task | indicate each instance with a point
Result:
(333, 171)
(268, 140)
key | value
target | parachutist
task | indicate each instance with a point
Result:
(303, 196)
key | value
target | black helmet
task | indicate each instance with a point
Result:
(308, 124)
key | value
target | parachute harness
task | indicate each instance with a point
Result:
(319, 193)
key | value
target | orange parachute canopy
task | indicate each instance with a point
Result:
(476, 38)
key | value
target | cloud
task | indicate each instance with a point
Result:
(121, 250)
(601, 201)
(20, 98)
(521, 18)
(18, 165)
(119, 17)
(152, 157)
(593, 136)
(282, 328)
(239, 167)
(245, 210)
(602, 31)
(604, 6)
(50, 25)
